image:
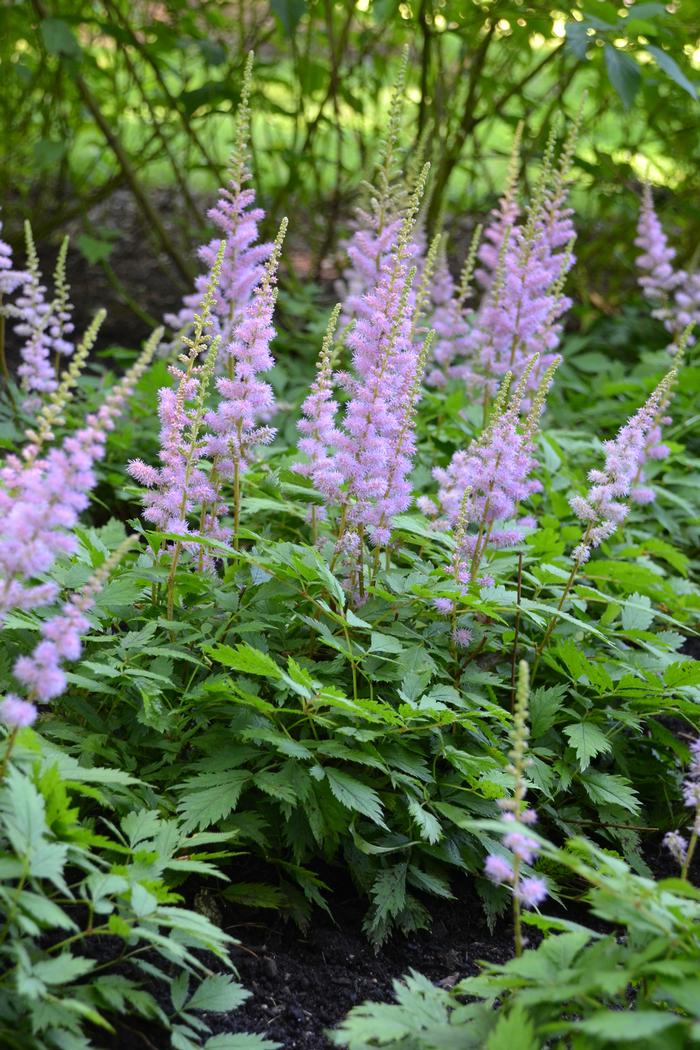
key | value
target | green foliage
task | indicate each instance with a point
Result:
(165, 89)
(264, 709)
(67, 888)
(637, 984)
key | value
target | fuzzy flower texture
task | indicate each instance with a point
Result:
(362, 463)
(604, 507)
(41, 499)
(675, 294)
(517, 817)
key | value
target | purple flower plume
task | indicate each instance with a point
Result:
(517, 817)
(237, 220)
(678, 846)
(605, 506)
(484, 485)
(450, 324)
(362, 462)
(180, 487)
(317, 425)
(42, 496)
(35, 317)
(675, 294)
(10, 279)
(521, 312)
(17, 713)
(245, 399)
(41, 672)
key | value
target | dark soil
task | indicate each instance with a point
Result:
(302, 984)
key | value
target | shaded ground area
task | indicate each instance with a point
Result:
(303, 984)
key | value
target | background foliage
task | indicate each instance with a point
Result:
(100, 97)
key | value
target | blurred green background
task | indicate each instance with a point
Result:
(116, 123)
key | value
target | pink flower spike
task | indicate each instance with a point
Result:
(497, 869)
(531, 892)
(523, 847)
(676, 845)
(17, 713)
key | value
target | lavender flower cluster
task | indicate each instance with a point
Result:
(44, 325)
(42, 494)
(675, 294)
(604, 507)
(361, 463)
(517, 817)
(521, 270)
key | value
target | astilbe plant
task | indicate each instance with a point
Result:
(360, 463)
(450, 319)
(43, 324)
(41, 673)
(10, 280)
(484, 485)
(606, 505)
(317, 426)
(236, 426)
(180, 486)
(237, 219)
(42, 493)
(675, 294)
(202, 448)
(379, 222)
(518, 817)
(677, 844)
(521, 312)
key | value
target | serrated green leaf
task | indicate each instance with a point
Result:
(610, 789)
(240, 1041)
(513, 1031)
(682, 673)
(255, 895)
(389, 892)
(355, 795)
(209, 797)
(218, 993)
(587, 741)
(637, 614)
(627, 1025)
(23, 810)
(545, 704)
(63, 969)
(428, 825)
(244, 658)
